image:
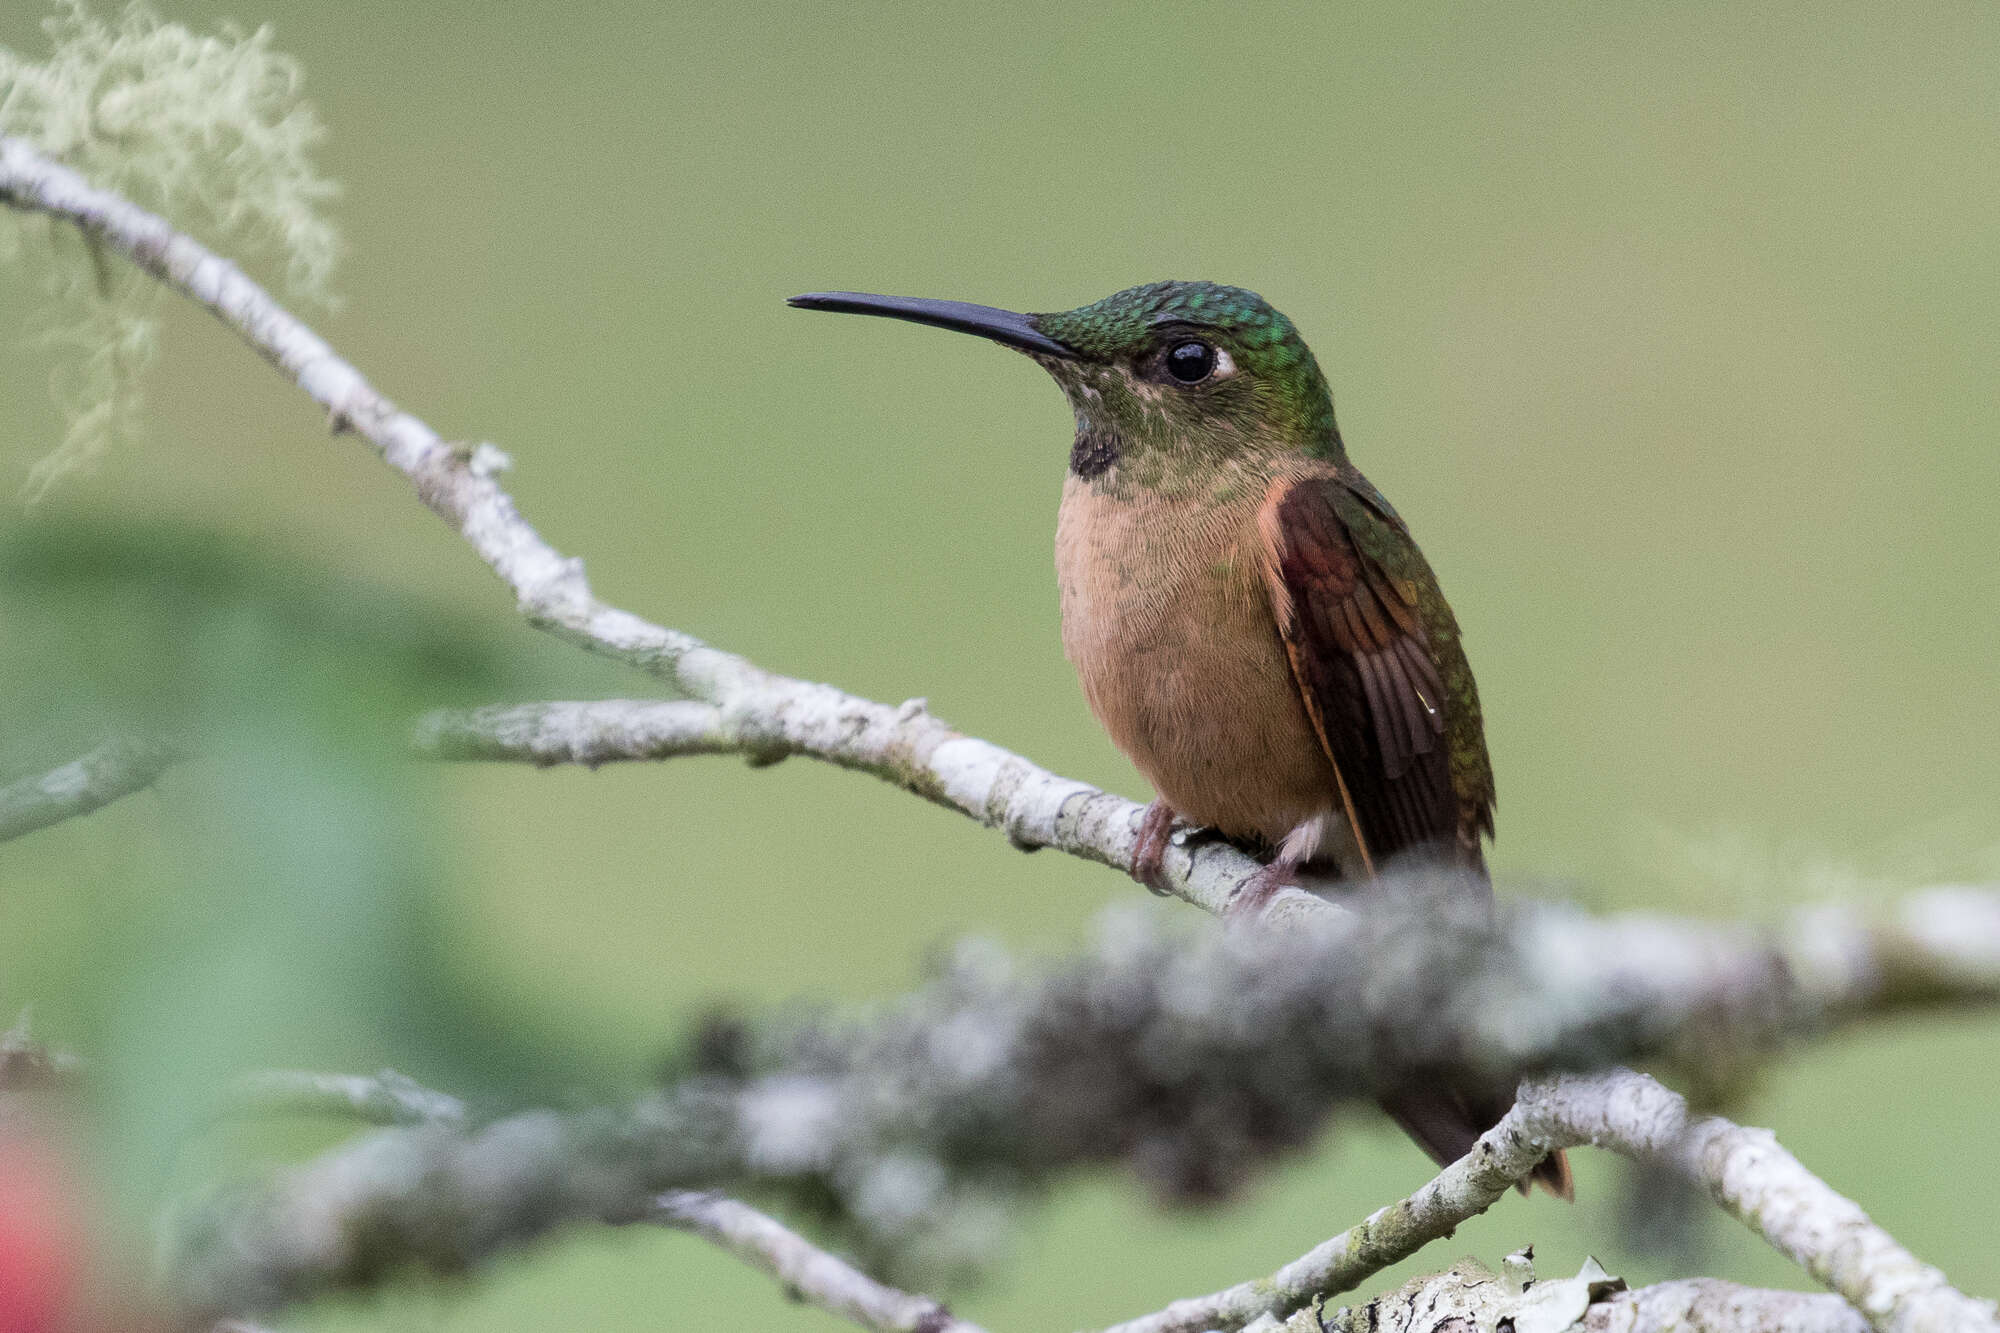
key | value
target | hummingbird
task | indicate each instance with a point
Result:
(1249, 617)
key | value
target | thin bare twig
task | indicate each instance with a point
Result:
(808, 1272)
(1745, 1170)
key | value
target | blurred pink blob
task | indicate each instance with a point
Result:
(42, 1239)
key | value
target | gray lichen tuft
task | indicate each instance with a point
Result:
(210, 131)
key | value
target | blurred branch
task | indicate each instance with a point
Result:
(807, 1272)
(1646, 1118)
(387, 1098)
(768, 715)
(1744, 1170)
(115, 769)
(27, 1065)
(1191, 1053)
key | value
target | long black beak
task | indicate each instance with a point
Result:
(1002, 326)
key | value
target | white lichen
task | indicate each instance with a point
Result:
(210, 131)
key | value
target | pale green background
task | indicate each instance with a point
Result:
(1670, 329)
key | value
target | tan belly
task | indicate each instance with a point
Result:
(1169, 626)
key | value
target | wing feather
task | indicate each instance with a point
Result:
(1363, 649)
(1376, 656)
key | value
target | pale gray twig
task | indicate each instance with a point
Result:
(809, 1273)
(1463, 1190)
(767, 715)
(1745, 1171)
(385, 1098)
(115, 769)
(601, 732)
(1768, 1190)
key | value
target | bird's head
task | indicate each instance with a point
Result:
(1165, 379)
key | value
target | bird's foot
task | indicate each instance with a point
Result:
(1149, 852)
(1254, 894)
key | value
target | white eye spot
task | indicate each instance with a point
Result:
(1225, 365)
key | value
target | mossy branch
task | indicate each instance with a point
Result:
(210, 129)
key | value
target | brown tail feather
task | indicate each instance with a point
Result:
(1447, 1124)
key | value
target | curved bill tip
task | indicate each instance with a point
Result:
(1002, 326)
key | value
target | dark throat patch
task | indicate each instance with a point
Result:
(1093, 453)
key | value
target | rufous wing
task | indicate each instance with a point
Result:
(1375, 652)
(1362, 656)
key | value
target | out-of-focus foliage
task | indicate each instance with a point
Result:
(154, 627)
(213, 132)
(283, 910)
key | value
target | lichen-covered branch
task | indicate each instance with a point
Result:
(1192, 1054)
(807, 1271)
(1466, 1188)
(767, 715)
(599, 732)
(1705, 1305)
(113, 770)
(1745, 1171)
(1935, 945)
(1592, 1301)
(1470, 1296)
(385, 1098)
(1764, 1187)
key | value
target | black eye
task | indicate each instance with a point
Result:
(1190, 362)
